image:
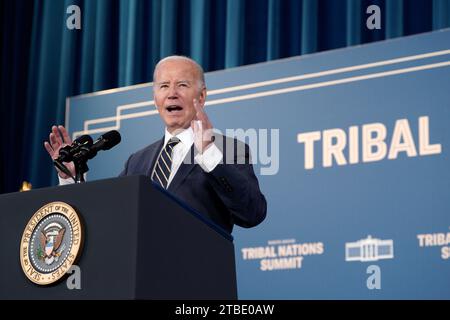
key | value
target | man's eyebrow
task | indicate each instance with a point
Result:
(167, 82)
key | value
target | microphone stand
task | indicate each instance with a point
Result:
(80, 161)
(58, 164)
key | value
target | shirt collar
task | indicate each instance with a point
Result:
(186, 136)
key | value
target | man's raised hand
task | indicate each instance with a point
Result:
(59, 137)
(202, 127)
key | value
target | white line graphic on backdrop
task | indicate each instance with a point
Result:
(119, 116)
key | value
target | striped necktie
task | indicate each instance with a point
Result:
(163, 167)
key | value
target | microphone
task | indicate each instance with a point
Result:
(107, 141)
(67, 153)
(104, 142)
(83, 149)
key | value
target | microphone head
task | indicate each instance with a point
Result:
(66, 153)
(110, 139)
(83, 140)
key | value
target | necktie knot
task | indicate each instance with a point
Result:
(173, 141)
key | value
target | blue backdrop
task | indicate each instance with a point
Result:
(358, 197)
(42, 61)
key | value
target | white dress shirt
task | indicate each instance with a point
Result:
(208, 160)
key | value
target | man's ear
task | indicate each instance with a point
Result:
(154, 101)
(156, 107)
(202, 97)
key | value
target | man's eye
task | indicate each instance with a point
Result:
(183, 85)
(163, 86)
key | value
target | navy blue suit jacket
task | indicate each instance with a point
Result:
(227, 195)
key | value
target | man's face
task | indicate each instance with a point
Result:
(176, 85)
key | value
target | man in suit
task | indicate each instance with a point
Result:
(210, 172)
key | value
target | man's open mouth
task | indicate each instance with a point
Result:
(174, 108)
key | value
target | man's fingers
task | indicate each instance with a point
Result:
(194, 126)
(57, 134)
(200, 114)
(53, 140)
(49, 148)
(59, 137)
(198, 109)
(65, 135)
(204, 119)
(196, 105)
(205, 116)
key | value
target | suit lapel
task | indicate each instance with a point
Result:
(153, 155)
(183, 171)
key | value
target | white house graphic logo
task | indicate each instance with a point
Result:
(369, 249)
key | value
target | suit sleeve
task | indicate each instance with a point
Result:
(125, 168)
(235, 183)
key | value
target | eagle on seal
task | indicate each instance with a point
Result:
(51, 244)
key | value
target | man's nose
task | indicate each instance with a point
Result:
(173, 93)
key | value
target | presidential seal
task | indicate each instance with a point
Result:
(51, 243)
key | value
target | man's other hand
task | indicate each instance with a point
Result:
(59, 137)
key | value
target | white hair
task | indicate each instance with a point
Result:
(199, 68)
